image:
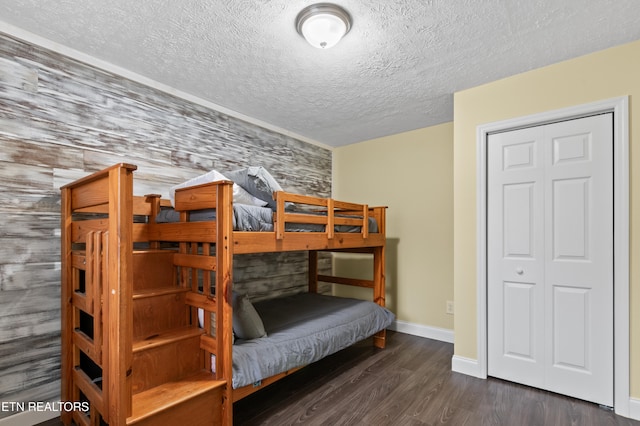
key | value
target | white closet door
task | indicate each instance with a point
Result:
(550, 257)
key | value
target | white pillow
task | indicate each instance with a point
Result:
(240, 196)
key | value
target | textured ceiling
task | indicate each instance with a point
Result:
(396, 70)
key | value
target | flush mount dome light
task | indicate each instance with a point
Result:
(323, 24)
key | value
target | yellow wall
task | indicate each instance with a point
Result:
(610, 73)
(412, 174)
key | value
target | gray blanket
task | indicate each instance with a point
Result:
(302, 329)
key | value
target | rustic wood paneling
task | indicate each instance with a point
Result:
(60, 120)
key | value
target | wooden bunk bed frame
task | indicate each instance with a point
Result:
(131, 343)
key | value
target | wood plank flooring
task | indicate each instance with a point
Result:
(408, 383)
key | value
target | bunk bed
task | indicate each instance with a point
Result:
(148, 305)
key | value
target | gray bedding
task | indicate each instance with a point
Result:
(302, 329)
(254, 218)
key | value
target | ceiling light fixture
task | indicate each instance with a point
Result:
(323, 24)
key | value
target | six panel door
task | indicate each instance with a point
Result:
(550, 257)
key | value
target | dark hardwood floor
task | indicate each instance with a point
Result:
(408, 383)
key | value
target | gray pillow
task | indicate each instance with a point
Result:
(247, 324)
(258, 182)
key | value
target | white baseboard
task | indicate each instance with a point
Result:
(468, 366)
(435, 333)
(29, 418)
(634, 408)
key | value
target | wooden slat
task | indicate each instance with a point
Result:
(81, 228)
(301, 199)
(100, 208)
(160, 291)
(346, 281)
(322, 219)
(140, 232)
(207, 263)
(162, 398)
(263, 242)
(320, 202)
(305, 218)
(153, 201)
(379, 214)
(249, 389)
(198, 197)
(365, 222)
(81, 419)
(93, 190)
(82, 302)
(92, 194)
(329, 229)
(351, 221)
(98, 295)
(106, 330)
(92, 276)
(142, 206)
(98, 175)
(183, 232)
(208, 303)
(209, 344)
(170, 336)
(90, 389)
(343, 205)
(86, 345)
(279, 217)
(79, 260)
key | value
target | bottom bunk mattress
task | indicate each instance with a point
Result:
(302, 329)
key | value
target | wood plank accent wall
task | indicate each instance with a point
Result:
(60, 120)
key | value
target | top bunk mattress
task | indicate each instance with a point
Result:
(302, 329)
(255, 218)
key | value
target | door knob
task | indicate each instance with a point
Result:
(519, 271)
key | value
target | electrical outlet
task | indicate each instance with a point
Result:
(450, 307)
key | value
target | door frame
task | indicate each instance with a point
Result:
(620, 108)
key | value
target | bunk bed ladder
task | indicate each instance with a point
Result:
(130, 349)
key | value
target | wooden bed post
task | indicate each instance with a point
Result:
(379, 340)
(224, 296)
(154, 204)
(119, 310)
(66, 392)
(313, 271)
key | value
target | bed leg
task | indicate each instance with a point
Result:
(380, 339)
